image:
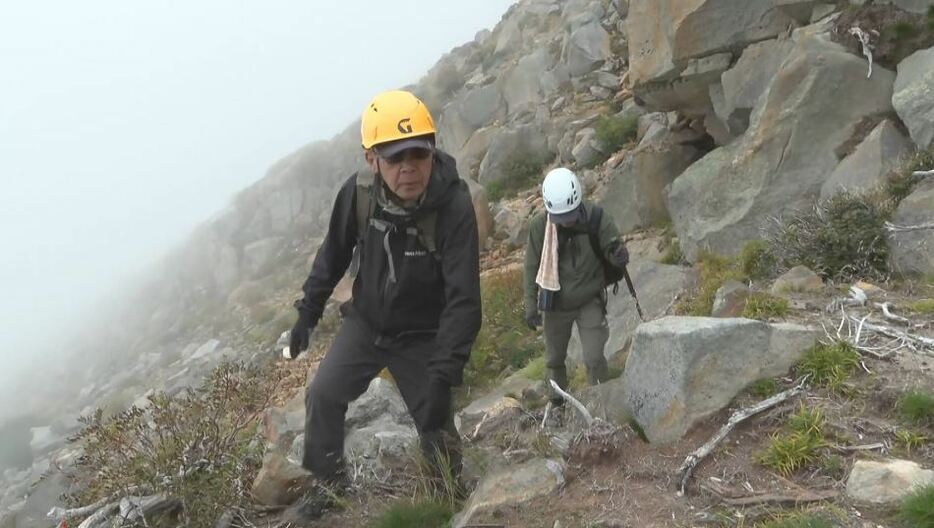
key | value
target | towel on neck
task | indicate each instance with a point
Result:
(547, 277)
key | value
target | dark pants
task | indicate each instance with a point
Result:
(594, 333)
(355, 358)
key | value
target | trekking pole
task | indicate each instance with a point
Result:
(632, 290)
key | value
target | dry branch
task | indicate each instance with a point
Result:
(790, 500)
(923, 174)
(585, 414)
(889, 226)
(863, 38)
(691, 462)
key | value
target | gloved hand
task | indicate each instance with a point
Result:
(619, 255)
(533, 318)
(301, 334)
(439, 404)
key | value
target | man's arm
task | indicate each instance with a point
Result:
(462, 315)
(614, 249)
(533, 257)
(333, 256)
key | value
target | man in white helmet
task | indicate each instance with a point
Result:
(571, 247)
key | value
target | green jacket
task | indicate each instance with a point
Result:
(579, 270)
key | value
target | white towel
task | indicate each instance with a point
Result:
(547, 277)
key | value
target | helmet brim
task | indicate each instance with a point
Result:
(386, 150)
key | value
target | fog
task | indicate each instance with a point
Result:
(125, 124)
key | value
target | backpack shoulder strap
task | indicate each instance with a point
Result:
(593, 230)
(365, 204)
(427, 230)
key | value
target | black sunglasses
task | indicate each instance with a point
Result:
(415, 153)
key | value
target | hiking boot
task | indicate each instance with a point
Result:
(313, 504)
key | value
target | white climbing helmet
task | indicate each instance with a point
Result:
(562, 191)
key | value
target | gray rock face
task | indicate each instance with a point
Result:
(886, 481)
(914, 6)
(637, 189)
(656, 284)
(683, 369)
(258, 254)
(381, 445)
(522, 144)
(730, 299)
(470, 416)
(745, 82)
(522, 85)
(912, 252)
(586, 151)
(666, 35)
(512, 224)
(280, 482)
(468, 112)
(870, 163)
(782, 161)
(511, 486)
(481, 208)
(914, 96)
(586, 49)
(798, 279)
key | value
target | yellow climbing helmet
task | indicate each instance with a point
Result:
(392, 116)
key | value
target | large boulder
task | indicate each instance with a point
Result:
(586, 49)
(381, 445)
(914, 96)
(522, 85)
(781, 162)
(886, 481)
(912, 252)
(657, 286)
(867, 167)
(665, 36)
(481, 208)
(512, 147)
(469, 111)
(747, 80)
(636, 190)
(280, 481)
(682, 369)
(511, 486)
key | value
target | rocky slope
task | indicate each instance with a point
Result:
(737, 111)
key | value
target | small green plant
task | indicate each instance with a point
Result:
(536, 369)
(521, 172)
(909, 440)
(798, 520)
(917, 408)
(830, 365)
(437, 480)
(613, 132)
(834, 466)
(764, 388)
(756, 261)
(763, 306)
(407, 514)
(504, 344)
(904, 31)
(714, 271)
(640, 432)
(917, 510)
(673, 255)
(578, 379)
(792, 451)
(924, 307)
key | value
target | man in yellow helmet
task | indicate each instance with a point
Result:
(409, 227)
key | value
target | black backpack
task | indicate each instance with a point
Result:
(612, 273)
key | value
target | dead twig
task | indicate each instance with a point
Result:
(864, 40)
(585, 414)
(691, 462)
(864, 447)
(791, 500)
(892, 228)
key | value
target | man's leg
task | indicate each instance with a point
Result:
(344, 374)
(594, 333)
(557, 330)
(408, 365)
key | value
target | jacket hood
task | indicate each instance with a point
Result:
(444, 183)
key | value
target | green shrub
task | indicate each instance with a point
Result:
(917, 408)
(199, 447)
(842, 238)
(614, 132)
(536, 369)
(924, 307)
(714, 271)
(799, 520)
(917, 510)
(504, 344)
(763, 306)
(830, 365)
(834, 466)
(764, 387)
(797, 449)
(909, 440)
(414, 515)
(523, 171)
(756, 261)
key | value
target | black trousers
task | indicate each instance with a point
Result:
(354, 359)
